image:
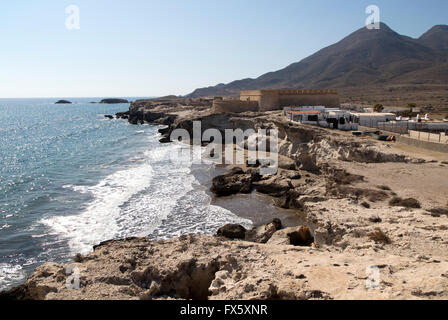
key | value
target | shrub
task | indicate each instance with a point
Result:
(358, 193)
(378, 108)
(366, 205)
(379, 236)
(407, 203)
(343, 177)
(375, 219)
(376, 196)
(437, 212)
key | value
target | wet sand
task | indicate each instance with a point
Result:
(258, 208)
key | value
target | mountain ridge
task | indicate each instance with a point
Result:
(364, 57)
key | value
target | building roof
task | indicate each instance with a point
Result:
(289, 92)
(374, 114)
(304, 112)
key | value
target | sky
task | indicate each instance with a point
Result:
(142, 48)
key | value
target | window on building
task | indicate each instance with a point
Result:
(313, 118)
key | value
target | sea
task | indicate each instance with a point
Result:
(70, 179)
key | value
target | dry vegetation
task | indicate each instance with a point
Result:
(399, 96)
(379, 236)
(406, 203)
(437, 212)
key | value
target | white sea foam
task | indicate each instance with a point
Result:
(10, 274)
(154, 197)
(80, 189)
(98, 222)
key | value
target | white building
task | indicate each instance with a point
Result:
(423, 125)
(372, 119)
(321, 116)
(342, 120)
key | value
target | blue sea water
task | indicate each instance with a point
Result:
(69, 179)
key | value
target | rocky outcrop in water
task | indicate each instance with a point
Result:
(113, 101)
(122, 115)
(235, 181)
(63, 102)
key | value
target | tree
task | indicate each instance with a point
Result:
(378, 108)
(412, 106)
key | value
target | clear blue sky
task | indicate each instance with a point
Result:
(152, 48)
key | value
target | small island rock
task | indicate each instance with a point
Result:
(114, 101)
(63, 102)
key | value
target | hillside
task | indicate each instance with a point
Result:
(366, 57)
(436, 38)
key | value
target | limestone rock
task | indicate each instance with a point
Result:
(204, 267)
(235, 181)
(274, 186)
(263, 233)
(286, 163)
(296, 236)
(232, 231)
(290, 174)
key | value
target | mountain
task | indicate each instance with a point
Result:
(436, 38)
(365, 57)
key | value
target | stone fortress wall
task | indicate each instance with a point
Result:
(300, 98)
(266, 100)
(233, 106)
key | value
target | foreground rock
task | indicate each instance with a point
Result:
(206, 267)
(298, 236)
(260, 234)
(263, 233)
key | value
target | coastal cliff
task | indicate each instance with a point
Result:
(308, 146)
(206, 267)
(364, 235)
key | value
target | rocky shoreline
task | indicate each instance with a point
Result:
(354, 222)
